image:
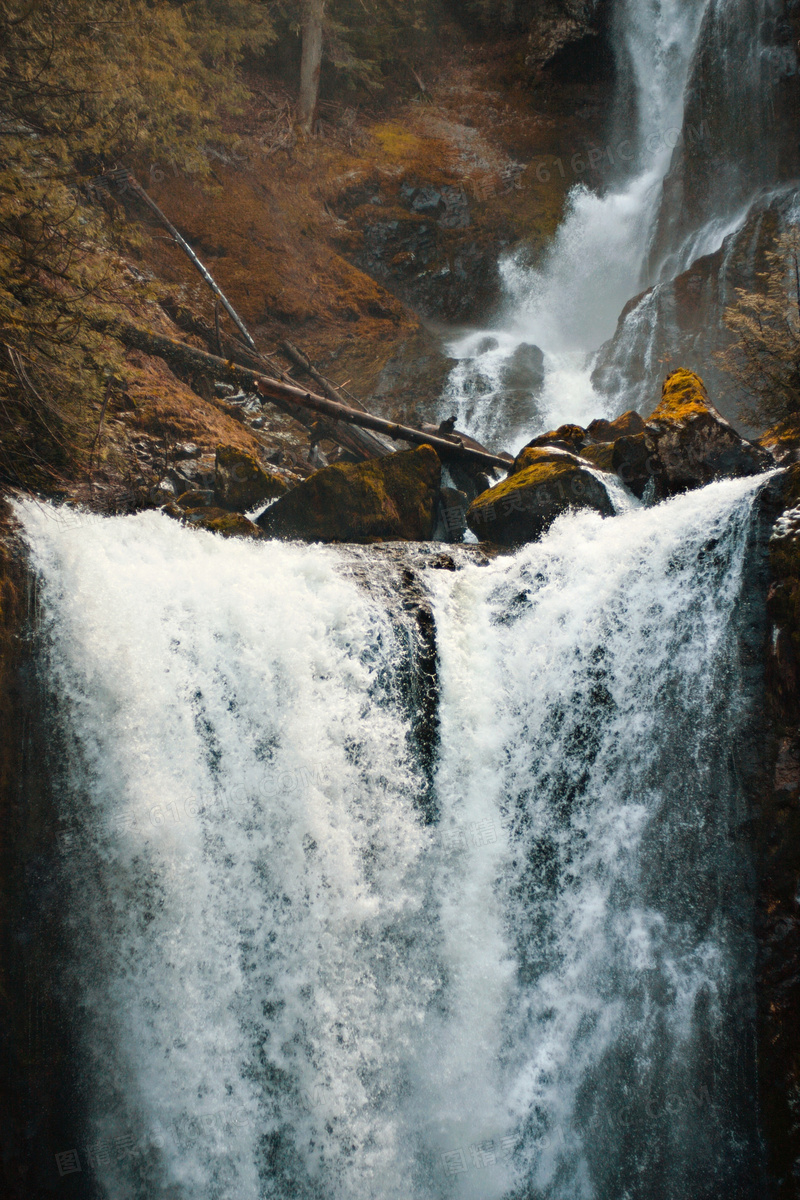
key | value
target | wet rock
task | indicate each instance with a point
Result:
(195, 473)
(391, 498)
(215, 520)
(452, 516)
(523, 507)
(566, 437)
(524, 371)
(600, 454)
(197, 499)
(632, 459)
(693, 443)
(629, 424)
(241, 483)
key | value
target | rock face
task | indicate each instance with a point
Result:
(545, 484)
(778, 845)
(632, 459)
(557, 24)
(385, 499)
(692, 443)
(241, 483)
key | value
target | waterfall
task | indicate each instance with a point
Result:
(315, 951)
(687, 170)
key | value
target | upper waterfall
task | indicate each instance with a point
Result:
(295, 975)
(685, 169)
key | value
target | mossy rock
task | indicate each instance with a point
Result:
(628, 425)
(566, 437)
(522, 507)
(386, 499)
(530, 456)
(241, 483)
(693, 442)
(215, 520)
(600, 454)
(196, 499)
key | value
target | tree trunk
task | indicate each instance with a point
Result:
(310, 64)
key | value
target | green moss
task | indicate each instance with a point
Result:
(386, 498)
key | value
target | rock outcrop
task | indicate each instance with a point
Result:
(385, 499)
(777, 803)
(545, 483)
(692, 443)
(241, 483)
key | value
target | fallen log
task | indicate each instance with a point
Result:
(344, 424)
(445, 448)
(125, 181)
(189, 362)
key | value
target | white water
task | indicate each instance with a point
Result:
(288, 983)
(613, 245)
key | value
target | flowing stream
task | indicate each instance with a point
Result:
(688, 168)
(316, 947)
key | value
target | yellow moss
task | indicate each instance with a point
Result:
(396, 142)
(601, 455)
(532, 455)
(683, 396)
(539, 472)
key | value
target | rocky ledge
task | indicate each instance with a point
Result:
(685, 443)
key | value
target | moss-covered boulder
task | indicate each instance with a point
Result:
(566, 437)
(241, 483)
(693, 443)
(522, 507)
(215, 520)
(530, 456)
(386, 499)
(600, 455)
(628, 425)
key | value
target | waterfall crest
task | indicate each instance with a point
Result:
(294, 975)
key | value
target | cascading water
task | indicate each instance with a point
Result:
(688, 170)
(316, 953)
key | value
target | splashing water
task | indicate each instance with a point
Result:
(296, 977)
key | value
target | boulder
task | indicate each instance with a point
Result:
(693, 443)
(629, 424)
(566, 437)
(202, 498)
(533, 455)
(633, 460)
(600, 455)
(522, 507)
(215, 520)
(392, 498)
(241, 483)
